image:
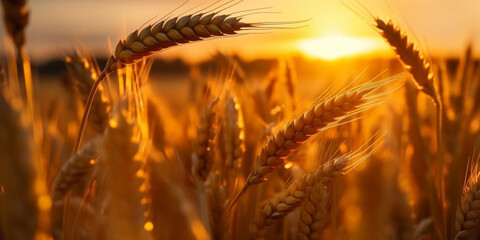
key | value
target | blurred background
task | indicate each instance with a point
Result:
(443, 28)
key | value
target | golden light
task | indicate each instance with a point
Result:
(333, 47)
(44, 202)
(288, 165)
(148, 226)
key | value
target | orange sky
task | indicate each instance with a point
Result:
(441, 26)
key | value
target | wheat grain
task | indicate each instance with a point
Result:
(298, 191)
(468, 210)
(75, 168)
(314, 213)
(204, 156)
(234, 140)
(282, 204)
(216, 196)
(20, 211)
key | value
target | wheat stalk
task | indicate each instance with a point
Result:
(19, 200)
(216, 196)
(121, 155)
(415, 63)
(319, 117)
(75, 168)
(83, 73)
(468, 211)
(16, 16)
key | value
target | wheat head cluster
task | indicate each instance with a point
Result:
(242, 156)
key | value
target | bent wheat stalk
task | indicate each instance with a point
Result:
(326, 114)
(83, 72)
(159, 36)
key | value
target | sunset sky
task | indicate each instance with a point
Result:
(442, 27)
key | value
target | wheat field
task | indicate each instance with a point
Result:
(237, 149)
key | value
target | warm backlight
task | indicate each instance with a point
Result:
(335, 47)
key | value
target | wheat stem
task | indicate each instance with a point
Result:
(19, 200)
(86, 112)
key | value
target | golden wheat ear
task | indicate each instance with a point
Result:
(154, 38)
(171, 32)
(406, 51)
(467, 219)
(75, 168)
(204, 156)
(410, 56)
(328, 113)
(299, 192)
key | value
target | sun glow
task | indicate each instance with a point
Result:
(334, 47)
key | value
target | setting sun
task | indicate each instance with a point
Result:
(335, 47)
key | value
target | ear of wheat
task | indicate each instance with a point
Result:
(410, 56)
(314, 213)
(75, 168)
(468, 211)
(319, 117)
(171, 32)
(203, 158)
(151, 39)
(298, 192)
(234, 142)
